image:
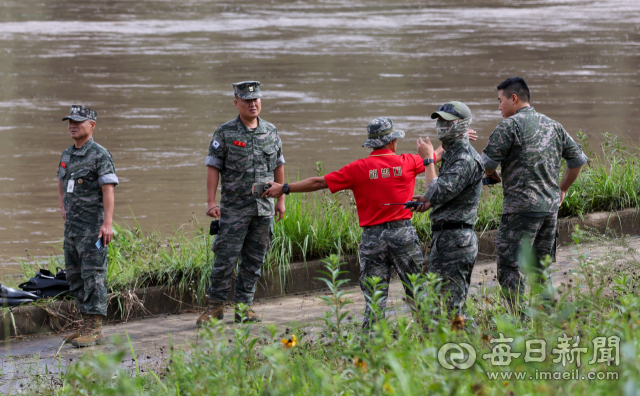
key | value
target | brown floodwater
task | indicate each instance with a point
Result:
(159, 74)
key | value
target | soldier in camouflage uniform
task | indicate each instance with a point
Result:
(86, 180)
(243, 151)
(389, 240)
(529, 147)
(454, 195)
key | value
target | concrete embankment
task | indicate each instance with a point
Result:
(301, 278)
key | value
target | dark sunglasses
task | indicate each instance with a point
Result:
(449, 109)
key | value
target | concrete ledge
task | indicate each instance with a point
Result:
(625, 222)
(60, 316)
(300, 278)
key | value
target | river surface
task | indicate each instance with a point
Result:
(159, 74)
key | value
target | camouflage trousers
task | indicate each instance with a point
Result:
(244, 238)
(382, 249)
(453, 256)
(542, 232)
(86, 269)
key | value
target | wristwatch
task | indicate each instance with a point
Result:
(428, 161)
(285, 188)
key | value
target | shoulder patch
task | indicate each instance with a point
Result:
(215, 144)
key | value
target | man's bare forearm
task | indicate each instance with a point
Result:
(308, 185)
(60, 194)
(429, 173)
(108, 200)
(213, 176)
(278, 177)
(569, 177)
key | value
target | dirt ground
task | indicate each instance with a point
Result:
(152, 337)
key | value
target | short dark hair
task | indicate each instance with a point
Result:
(515, 85)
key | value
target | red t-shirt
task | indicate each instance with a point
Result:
(381, 178)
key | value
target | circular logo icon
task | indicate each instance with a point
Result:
(456, 356)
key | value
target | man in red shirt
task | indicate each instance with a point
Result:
(388, 238)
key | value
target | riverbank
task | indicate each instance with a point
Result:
(594, 285)
(297, 278)
(317, 225)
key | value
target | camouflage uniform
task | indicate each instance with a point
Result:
(455, 195)
(90, 167)
(529, 146)
(244, 157)
(383, 247)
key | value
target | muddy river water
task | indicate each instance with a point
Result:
(159, 74)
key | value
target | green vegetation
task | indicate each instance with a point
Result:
(400, 356)
(316, 223)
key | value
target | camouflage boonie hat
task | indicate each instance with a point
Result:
(380, 132)
(452, 111)
(247, 89)
(80, 113)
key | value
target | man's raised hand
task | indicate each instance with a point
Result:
(425, 148)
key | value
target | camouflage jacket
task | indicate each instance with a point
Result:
(245, 157)
(89, 168)
(455, 193)
(529, 146)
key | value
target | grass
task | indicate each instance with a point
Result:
(316, 224)
(401, 356)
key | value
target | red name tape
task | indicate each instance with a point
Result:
(239, 144)
(62, 164)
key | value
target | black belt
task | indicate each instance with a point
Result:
(390, 224)
(450, 226)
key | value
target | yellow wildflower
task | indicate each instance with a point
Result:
(290, 343)
(457, 323)
(361, 364)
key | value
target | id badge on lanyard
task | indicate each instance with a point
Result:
(70, 186)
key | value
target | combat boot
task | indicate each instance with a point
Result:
(92, 334)
(249, 316)
(215, 309)
(72, 336)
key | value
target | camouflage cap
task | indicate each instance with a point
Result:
(247, 89)
(380, 132)
(80, 113)
(452, 111)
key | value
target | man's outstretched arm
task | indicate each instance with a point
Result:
(306, 185)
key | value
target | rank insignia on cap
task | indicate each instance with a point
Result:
(62, 164)
(215, 144)
(239, 144)
(247, 90)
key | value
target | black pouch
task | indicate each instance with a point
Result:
(214, 227)
(46, 284)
